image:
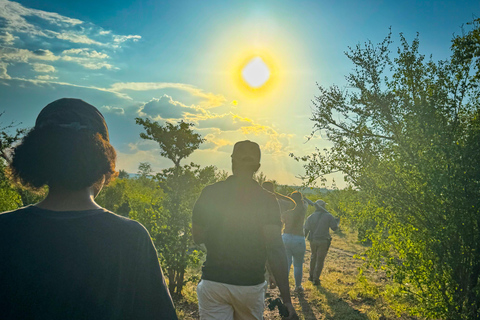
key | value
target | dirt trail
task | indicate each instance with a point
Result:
(307, 303)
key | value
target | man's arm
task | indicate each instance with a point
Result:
(333, 223)
(199, 213)
(308, 201)
(277, 260)
(198, 233)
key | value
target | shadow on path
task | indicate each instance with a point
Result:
(307, 310)
(339, 309)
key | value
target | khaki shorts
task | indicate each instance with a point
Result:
(220, 301)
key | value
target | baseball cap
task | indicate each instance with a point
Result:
(72, 113)
(246, 151)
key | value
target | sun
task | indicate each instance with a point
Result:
(256, 73)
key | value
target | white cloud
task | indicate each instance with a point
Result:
(7, 38)
(46, 77)
(3, 71)
(166, 108)
(24, 55)
(115, 110)
(86, 52)
(13, 15)
(211, 100)
(121, 39)
(77, 38)
(40, 67)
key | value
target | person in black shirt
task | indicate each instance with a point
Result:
(66, 257)
(239, 223)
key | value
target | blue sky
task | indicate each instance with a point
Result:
(174, 60)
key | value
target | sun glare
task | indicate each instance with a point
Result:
(256, 73)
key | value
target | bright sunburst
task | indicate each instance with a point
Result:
(256, 73)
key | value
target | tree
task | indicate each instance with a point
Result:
(182, 185)
(122, 174)
(10, 199)
(406, 134)
(176, 142)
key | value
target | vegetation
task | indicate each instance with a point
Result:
(406, 134)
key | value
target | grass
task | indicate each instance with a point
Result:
(343, 294)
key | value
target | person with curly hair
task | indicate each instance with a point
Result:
(66, 257)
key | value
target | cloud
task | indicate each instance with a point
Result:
(13, 16)
(43, 36)
(121, 39)
(7, 38)
(86, 52)
(166, 108)
(55, 26)
(46, 77)
(211, 100)
(40, 67)
(77, 38)
(24, 55)
(215, 143)
(224, 122)
(3, 71)
(114, 110)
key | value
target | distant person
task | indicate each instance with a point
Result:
(66, 257)
(317, 232)
(239, 223)
(294, 239)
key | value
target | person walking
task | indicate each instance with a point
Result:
(239, 223)
(66, 257)
(317, 232)
(294, 239)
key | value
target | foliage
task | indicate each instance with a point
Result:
(182, 186)
(406, 134)
(176, 142)
(12, 197)
(9, 198)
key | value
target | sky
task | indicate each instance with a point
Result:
(187, 60)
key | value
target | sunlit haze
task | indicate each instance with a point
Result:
(236, 69)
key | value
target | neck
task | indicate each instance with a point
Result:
(59, 199)
(243, 175)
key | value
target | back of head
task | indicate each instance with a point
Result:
(245, 157)
(296, 196)
(68, 148)
(320, 205)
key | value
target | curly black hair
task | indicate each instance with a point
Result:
(62, 157)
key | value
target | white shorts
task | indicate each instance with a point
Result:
(221, 301)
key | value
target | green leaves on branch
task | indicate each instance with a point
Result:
(406, 134)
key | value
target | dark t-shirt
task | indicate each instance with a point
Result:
(233, 213)
(79, 265)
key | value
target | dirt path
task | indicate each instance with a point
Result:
(317, 302)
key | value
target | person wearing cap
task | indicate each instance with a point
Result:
(66, 257)
(239, 223)
(317, 231)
